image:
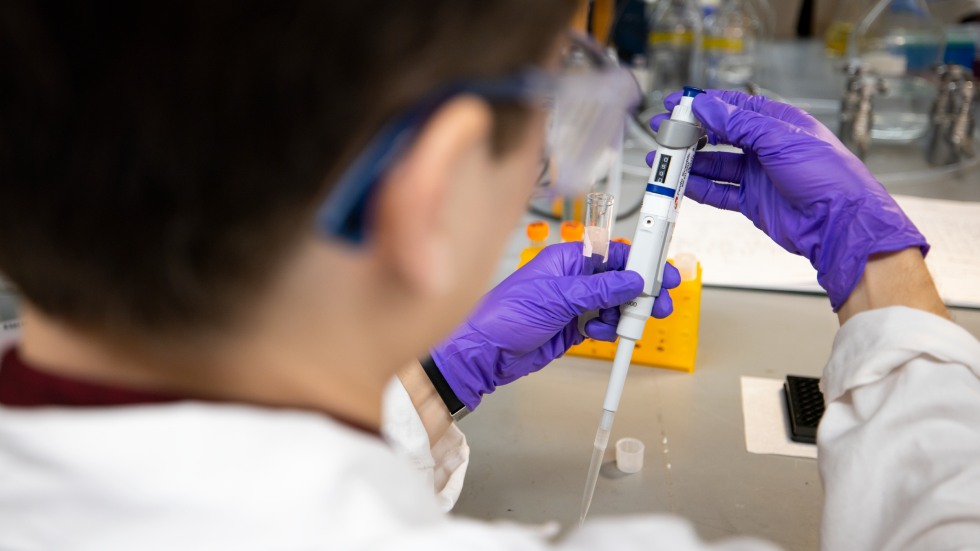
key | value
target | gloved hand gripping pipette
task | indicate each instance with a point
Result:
(677, 141)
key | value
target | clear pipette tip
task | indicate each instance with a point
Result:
(598, 452)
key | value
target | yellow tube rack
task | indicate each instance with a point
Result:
(670, 343)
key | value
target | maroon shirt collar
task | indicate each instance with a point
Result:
(23, 385)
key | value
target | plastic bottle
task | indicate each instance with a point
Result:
(975, 29)
(572, 230)
(848, 14)
(767, 16)
(961, 45)
(537, 232)
(640, 68)
(734, 35)
(901, 42)
(673, 47)
(709, 7)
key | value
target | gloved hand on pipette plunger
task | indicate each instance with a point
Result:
(531, 318)
(798, 183)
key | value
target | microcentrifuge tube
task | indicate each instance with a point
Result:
(600, 213)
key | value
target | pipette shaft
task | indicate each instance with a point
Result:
(677, 142)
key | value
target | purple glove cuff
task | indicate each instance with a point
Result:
(853, 233)
(468, 357)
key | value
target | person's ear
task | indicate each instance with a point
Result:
(412, 225)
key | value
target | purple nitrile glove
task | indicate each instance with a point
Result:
(798, 183)
(530, 319)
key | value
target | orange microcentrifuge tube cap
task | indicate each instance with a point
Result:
(538, 231)
(622, 240)
(572, 230)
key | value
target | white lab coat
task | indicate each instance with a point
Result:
(899, 454)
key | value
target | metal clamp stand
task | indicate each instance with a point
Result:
(953, 117)
(857, 108)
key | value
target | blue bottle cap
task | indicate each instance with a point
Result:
(691, 91)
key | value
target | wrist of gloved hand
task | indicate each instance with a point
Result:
(466, 361)
(851, 235)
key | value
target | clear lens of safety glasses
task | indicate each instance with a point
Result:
(592, 98)
(587, 101)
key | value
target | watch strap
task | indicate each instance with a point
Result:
(457, 409)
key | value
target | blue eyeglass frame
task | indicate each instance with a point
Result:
(345, 213)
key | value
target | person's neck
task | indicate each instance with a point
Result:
(304, 349)
(259, 373)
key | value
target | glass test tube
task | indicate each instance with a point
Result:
(600, 213)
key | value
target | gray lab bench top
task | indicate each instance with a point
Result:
(532, 440)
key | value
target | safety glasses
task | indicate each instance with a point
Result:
(587, 102)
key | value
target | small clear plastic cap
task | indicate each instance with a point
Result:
(629, 455)
(687, 265)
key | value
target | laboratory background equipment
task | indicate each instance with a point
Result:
(901, 42)
(603, 16)
(571, 231)
(767, 15)
(765, 48)
(674, 47)
(639, 66)
(857, 109)
(537, 234)
(734, 38)
(961, 45)
(839, 31)
(709, 7)
(952, 120)
(677, 140)
(975, 31)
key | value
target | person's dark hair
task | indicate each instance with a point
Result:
(157, 159)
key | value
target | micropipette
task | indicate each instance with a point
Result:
(677, 140)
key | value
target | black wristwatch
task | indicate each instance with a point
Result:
(455, 406)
